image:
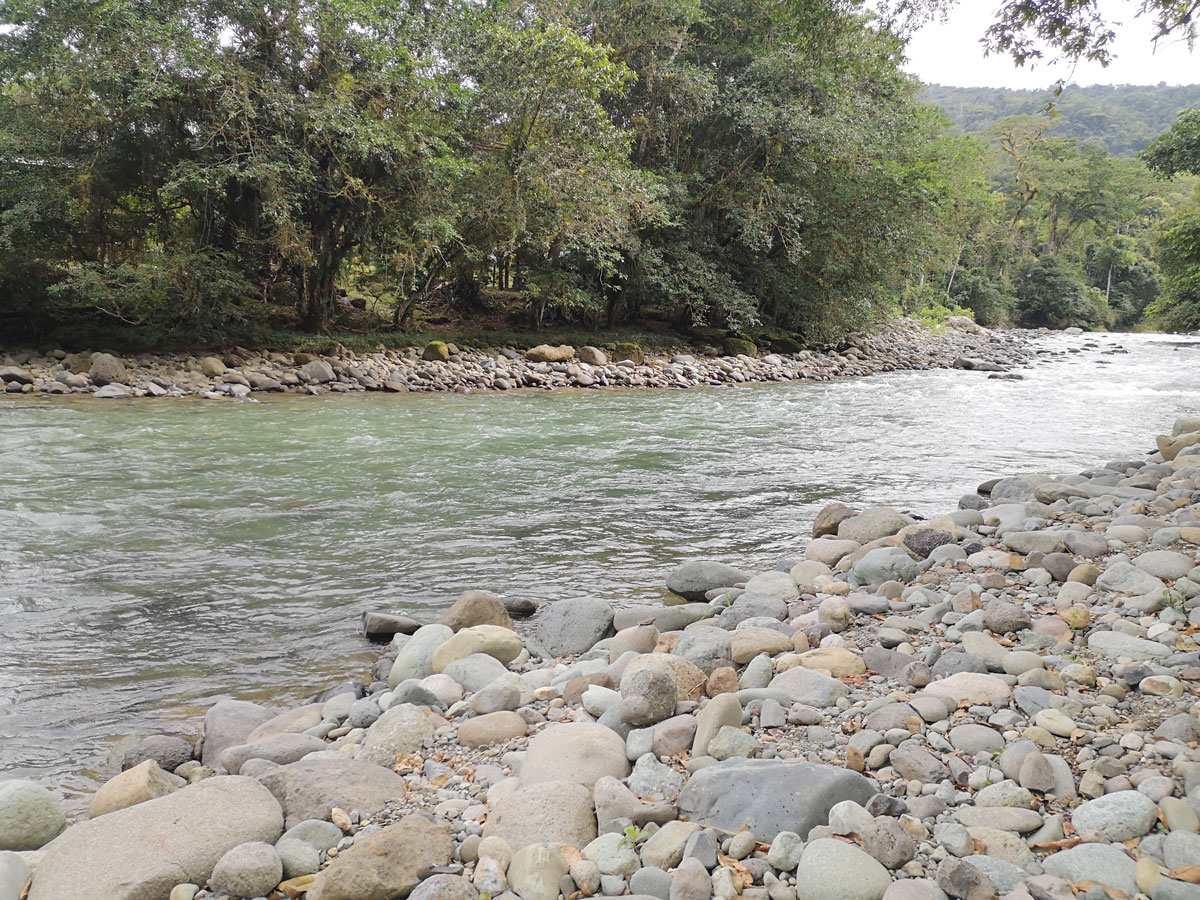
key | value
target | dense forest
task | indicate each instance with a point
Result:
(1124, 118)
(203, 170)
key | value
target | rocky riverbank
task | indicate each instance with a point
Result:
(998, 702)
(902, 344)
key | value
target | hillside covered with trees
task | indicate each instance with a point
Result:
(208, 171)
(1124, 118)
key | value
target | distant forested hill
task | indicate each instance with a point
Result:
(1124, 117)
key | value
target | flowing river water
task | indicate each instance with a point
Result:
(156, 556)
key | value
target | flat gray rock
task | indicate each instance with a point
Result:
(1114, 644)
(311, 788)
(1118, 816)
(770, 796)
(571, 627)
(1094, 862)
(691, 580)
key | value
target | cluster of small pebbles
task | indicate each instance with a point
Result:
(998, 702)
(439, 366)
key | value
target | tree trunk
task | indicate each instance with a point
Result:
(1108, 287)
(953, 272)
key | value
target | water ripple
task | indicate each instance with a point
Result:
(160, 555)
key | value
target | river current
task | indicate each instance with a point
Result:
(157, 555)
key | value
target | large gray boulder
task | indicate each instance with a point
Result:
(229, 722)
(1115, 644)
(706, 647)
(693, 579)
(400, 730)
(1102, 863)
(571, 627)
(30, 816)
(872, 524)
(1124, 578)
(107, 369)
(141, 853)
(770, 795)
(886, 564)
(311, 788)
(168, 751)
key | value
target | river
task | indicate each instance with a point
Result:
(158, 555)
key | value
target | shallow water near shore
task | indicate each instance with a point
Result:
(158, 555)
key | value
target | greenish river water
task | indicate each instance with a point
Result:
(158, 555)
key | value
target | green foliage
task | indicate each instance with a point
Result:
(221, 168)
(1124, 118)
(632, 836)
(1052, 293)
(984, 296)
(1178, 240)
(1177, 151)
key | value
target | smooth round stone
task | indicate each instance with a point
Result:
(1004, 793)
(1056, 722)
(832, 870)
(248, 870)
(651, 881)
(298, 857)
(493, 728)
(30, 816)
(1019, 662)
(971, 739)
(1102, 863)
(1119, 816)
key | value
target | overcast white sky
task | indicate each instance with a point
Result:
(951, 54)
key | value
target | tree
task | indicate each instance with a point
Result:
(1052, 293)
(1175, 153)
(1078, 28)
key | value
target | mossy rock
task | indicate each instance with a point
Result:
(626, 350)
(739, 347)
(786, 344)
(436, 351)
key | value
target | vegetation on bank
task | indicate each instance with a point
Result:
(1124, 118)
(202, 172)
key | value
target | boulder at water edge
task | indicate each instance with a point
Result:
(229, 722)
(693, 579)
(143, 782)
(770, 796)
(30, 816)
(568, 627)
(141, 853)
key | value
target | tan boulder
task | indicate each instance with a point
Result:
(547, 354)
(476, 608)
(837, 661)
(495, 641)
(143, 782)
(829, 518)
